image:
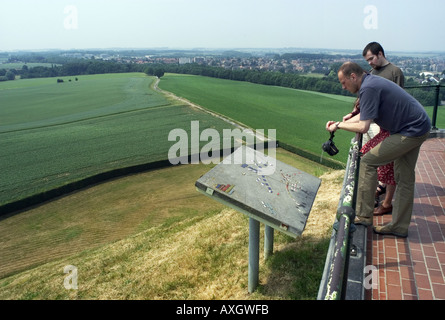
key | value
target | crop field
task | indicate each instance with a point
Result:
(299, 117)
(54, 133)
(152, 236)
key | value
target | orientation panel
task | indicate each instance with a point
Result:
(263, 188)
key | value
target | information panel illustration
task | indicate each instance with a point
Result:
(264, 188)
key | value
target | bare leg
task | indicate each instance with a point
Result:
(390, 190)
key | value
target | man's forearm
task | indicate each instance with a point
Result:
(350, 125)
(360, 127)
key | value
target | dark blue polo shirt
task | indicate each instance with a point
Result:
(391, 107)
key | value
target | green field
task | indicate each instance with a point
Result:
(152, 236)
(191, 247)
(299, 117)
(37, 103)
(54, 133)
(440, 116)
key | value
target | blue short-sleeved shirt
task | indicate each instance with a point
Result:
(391, 107)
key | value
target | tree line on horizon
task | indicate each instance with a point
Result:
(75, 68)
(326, 84)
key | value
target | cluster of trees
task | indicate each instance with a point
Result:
(72, 68)
(157, 71)
(426, 96)
(62, 81)
(6, 75)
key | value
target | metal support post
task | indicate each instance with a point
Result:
(436, 105)
(254, 254)
(268, 241)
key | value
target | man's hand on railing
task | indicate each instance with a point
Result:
(332, 126)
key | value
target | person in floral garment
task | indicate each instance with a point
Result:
(375, 56)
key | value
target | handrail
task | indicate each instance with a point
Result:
(334, 280)
(332, 286)
(436, 104)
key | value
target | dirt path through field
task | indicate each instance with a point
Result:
(241, 126)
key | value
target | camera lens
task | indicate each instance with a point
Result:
(330, 148)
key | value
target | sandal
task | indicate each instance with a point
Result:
(380, 190)
(376, 202)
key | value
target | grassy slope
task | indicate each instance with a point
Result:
(153, 236)
(46, 102)
(172, 243)
(440, 116)
(299, 117)
(51, 134)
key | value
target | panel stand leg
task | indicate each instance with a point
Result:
(254, 254)
(268, 241)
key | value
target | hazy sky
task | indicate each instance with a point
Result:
(399, 25)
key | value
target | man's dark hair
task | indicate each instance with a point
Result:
(348, 68)
(374, 47)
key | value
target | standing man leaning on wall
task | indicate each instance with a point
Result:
(394, 110)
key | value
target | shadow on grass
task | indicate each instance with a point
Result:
(296, 271)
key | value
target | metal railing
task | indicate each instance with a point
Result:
(335, 275)
(333, 284)
(436, 102)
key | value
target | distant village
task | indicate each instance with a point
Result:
(421, 67)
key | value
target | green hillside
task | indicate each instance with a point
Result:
(147, 236)
(299, 117)
(152, 236)
(54, 133)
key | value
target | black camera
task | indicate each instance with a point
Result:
(329, 146)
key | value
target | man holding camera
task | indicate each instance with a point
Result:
(394, 110)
